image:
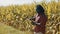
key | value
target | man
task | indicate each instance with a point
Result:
(40, 20)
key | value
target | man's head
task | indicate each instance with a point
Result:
(39, 9)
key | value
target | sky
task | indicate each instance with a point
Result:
(18, 2)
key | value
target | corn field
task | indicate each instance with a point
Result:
(16, 16)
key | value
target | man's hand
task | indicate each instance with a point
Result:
(34, 22)
(33, 18)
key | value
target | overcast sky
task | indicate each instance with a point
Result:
(19, 2)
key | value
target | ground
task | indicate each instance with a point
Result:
(4, 29)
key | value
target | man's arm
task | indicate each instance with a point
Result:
(36, 23)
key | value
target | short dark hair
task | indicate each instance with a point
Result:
(39, 9)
